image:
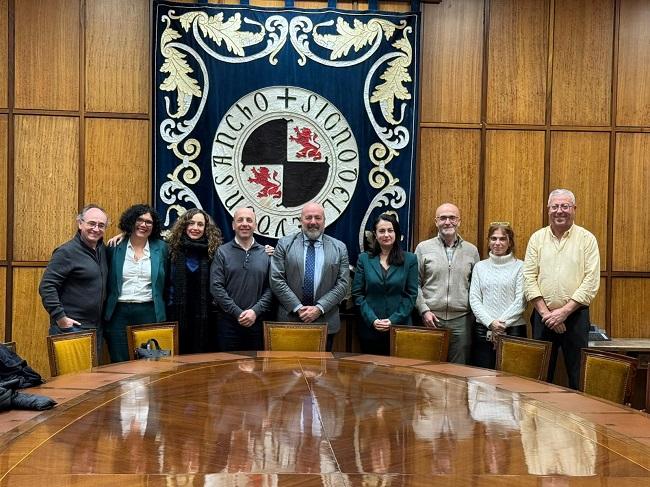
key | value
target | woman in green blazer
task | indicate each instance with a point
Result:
(385, 286)
(136, 278)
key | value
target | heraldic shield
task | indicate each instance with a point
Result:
(272, 108)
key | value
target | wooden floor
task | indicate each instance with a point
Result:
(322, 420)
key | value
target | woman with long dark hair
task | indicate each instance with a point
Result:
(136, 278)
(193, 241)
(385, 286)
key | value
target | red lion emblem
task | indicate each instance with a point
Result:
(270, 184)
(310, 148)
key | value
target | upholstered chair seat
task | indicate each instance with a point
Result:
(165, 333)
(523, 356)
(430, 344)
(295, 337)
(71, 352)
(607, 375)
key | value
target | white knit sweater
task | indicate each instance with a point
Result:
(497, 290)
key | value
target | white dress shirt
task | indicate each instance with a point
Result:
(136, 276)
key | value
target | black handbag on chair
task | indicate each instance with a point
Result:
(151, 349)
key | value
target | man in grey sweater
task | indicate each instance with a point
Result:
(239, 283)
(73, 287)
(445, 267)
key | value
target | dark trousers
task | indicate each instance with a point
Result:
(115, 331)
(330, 341)
(379, 346)
(483, 352)
(572, 341)
(233, 337)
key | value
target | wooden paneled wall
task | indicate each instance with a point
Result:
(517, 97)
(530, 95)
(74, 129)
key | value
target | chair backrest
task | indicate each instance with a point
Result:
(10, 345)
(607, 375)
(71, 352)
(295, 337)
(431, 344)
(166, 333)
(523, 356)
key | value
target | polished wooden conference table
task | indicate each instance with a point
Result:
(273, 418)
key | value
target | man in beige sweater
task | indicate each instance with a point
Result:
(445, 265)
(561, 279)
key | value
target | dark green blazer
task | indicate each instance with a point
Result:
(159, 261)
(382, 295)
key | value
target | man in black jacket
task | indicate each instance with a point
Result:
(73, 287)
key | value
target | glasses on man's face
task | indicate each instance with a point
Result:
(98, 225)
(449, 218)
(563, 207)
(142, 221)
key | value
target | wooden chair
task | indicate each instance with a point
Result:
(10, 345)
(523, 356)
(166, 333)
(607, 375)
(295, 337)
(431, 344)
(71, 352)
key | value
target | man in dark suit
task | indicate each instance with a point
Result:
(310, 273)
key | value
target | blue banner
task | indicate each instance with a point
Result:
(272, 108)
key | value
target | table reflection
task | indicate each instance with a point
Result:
(339, 420)
(498, 417)
(554, 445)
(442, 418)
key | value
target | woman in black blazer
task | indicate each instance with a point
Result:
(385, 286)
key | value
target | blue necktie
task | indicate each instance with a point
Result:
(310, 268)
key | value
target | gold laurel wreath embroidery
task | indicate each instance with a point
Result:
(229, 32)
(358, 36)
(178, 71)
(395, 76)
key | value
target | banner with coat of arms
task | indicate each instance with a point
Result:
(273, 108)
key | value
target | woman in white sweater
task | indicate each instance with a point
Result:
(496, 295)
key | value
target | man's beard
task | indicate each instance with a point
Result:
(312, 233)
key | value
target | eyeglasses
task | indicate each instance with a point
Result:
(450, 218)
(98, 225)
(563, 207)
(500, 224)
(142, 221)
